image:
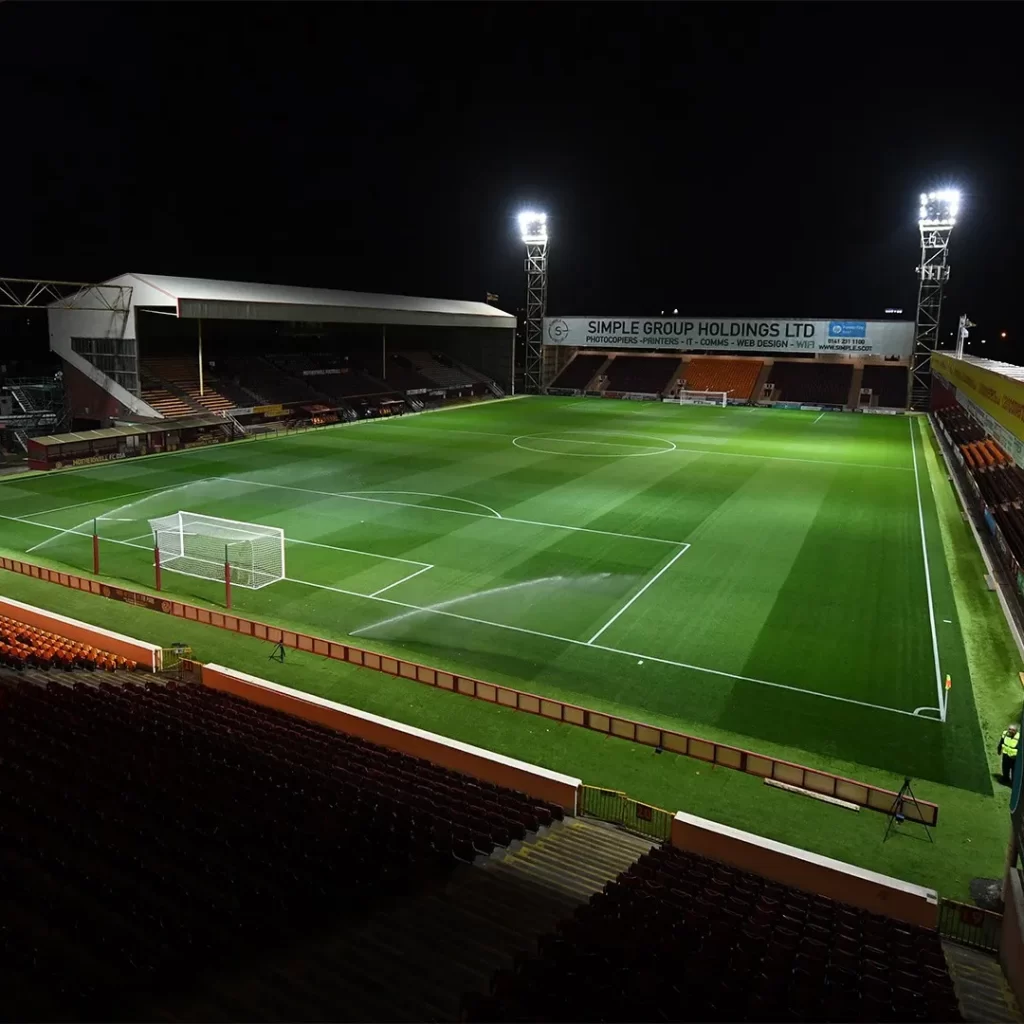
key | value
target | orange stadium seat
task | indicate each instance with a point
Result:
(736, 376)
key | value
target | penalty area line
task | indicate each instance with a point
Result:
(668, 565)
(601, 647)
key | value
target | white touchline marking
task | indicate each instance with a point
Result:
(404, 579)
(600, 647)
(449, 511)
(356, 551)
(927, 573)
(95, 501)
(668, 565)
(822, 414)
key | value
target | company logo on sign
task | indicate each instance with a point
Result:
(847, 329)
(557, 330)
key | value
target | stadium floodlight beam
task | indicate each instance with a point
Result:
(937, 215)
(533, 229)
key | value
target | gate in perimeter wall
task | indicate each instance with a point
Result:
(614, 806)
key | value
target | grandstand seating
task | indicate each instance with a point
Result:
(402, 375)
(888, 383)
(812, 383)
(183, 375)
(578, 373)
(153, 836)
(641, 374)
(1000, 482)
(25, 646)
(736, 376)
(679, 937)
(273, 385)
(443, 371)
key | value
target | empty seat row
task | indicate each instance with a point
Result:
(680, 937)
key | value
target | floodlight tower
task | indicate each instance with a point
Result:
(936, 220)
(533, 228)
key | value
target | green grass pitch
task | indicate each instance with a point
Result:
(776, 575)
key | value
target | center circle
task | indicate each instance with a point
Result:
(593, 444)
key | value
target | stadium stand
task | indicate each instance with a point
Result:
(268, 382)
(443, 371)
(679, 937)
(169, 378)
(641, 374)
(403, 376)
(24, 646)
(579, 372)
(155, 836)
(888, 383)
(350, 382)
(999, 481)
(735, 376)
(812, 383)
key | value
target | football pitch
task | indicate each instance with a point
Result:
(775, 574)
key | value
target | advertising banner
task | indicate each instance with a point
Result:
(894, 338)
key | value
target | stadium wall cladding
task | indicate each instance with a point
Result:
(891, 338)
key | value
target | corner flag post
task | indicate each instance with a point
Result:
(945, 703)
(95, 549)
(227, 579)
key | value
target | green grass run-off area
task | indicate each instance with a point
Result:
(753, 576)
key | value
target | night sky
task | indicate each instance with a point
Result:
(722, 159)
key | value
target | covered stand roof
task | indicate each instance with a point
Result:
(197, 298)
(130, 430)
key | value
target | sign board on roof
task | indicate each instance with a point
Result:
(892, 338)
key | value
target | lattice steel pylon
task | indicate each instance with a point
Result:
(534, 230)
(936, 220)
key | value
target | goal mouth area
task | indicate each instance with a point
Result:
(207, 569)
(719, 398)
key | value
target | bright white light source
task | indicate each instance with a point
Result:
(939, 208)
(533, 226)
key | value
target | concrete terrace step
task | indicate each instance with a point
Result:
(981, 987)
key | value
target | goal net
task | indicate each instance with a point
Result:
(198, 545)
(703, 397)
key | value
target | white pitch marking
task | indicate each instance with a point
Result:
(668, 565)
(927, 574)
(449, 511)
(115, 519)
(77, 533)
(434, 494)
(822, 414)
(601, 444)
(601, 647)
(95, 501)
(690, 451)
(356, 551)
(404, 579)
(949, 622)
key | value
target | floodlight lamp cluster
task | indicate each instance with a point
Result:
(533, 227)
(939, 209)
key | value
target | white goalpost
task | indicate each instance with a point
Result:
(243, 554)
(703, 397)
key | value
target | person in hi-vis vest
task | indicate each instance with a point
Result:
(1009, 744)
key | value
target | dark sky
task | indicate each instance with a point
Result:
(721, 158)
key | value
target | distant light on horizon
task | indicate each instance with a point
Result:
(894, 311)
(1003, 334)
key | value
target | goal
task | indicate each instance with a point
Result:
(208, 547)
(703, 397)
